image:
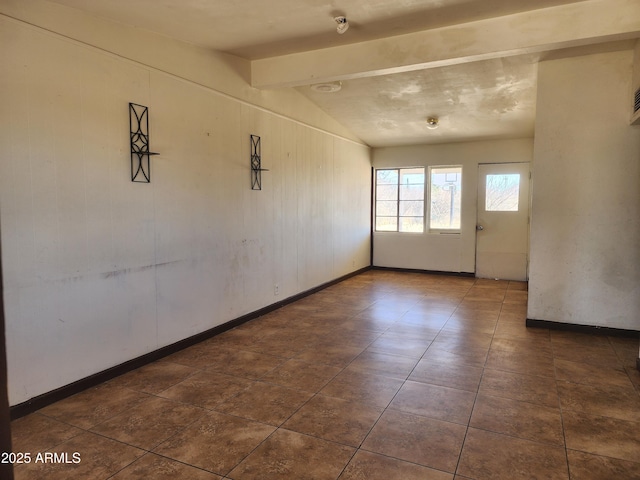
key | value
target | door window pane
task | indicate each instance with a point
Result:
(503, 192)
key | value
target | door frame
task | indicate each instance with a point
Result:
(6, 469)
(529, 203)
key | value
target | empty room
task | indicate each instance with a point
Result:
(320, 240)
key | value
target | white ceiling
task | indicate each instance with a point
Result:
(485, 96)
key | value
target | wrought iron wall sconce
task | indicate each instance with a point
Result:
(139, 131)
(256, 163)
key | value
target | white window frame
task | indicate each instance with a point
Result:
(428, 202)
(398, 216)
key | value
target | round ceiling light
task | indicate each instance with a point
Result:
(329, 87)
(343, 24)
(432, 123)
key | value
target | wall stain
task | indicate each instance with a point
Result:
(124, 271)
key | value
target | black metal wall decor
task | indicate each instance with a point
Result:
(256, 163)
(139, 130)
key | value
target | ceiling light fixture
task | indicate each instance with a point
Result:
(329, 87)
(343, 24)
(432, 123)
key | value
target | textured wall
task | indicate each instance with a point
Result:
(100, 270)
(585, 224)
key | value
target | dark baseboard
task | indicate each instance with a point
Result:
(41, 401)
(592, 329)
(431, 272)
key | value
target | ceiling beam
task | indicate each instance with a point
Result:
(585, 22)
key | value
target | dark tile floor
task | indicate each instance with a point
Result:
(384, 376)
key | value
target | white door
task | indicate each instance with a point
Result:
(502, 231)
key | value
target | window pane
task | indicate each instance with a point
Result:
(411, 224)
(412, 176)
(412, 192)
(445, 198)
(400, 189)
(503, 192)
(411, 209)
(387, 192)
(386, 209)
(387, 224)
(387, 177)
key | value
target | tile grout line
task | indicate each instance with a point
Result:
(475, 399)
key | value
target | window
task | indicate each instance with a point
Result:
(400, 200)
(445, 191)
(503, 192)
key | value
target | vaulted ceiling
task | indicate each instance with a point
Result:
(470, 63)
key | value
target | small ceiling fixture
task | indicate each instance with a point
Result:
(328, 87)
(432, 123)
(343, 24)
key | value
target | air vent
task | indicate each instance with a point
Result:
(636, 103)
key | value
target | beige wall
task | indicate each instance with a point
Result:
(585, 224)
(99, 270)
(443, 252)
(221, 72)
